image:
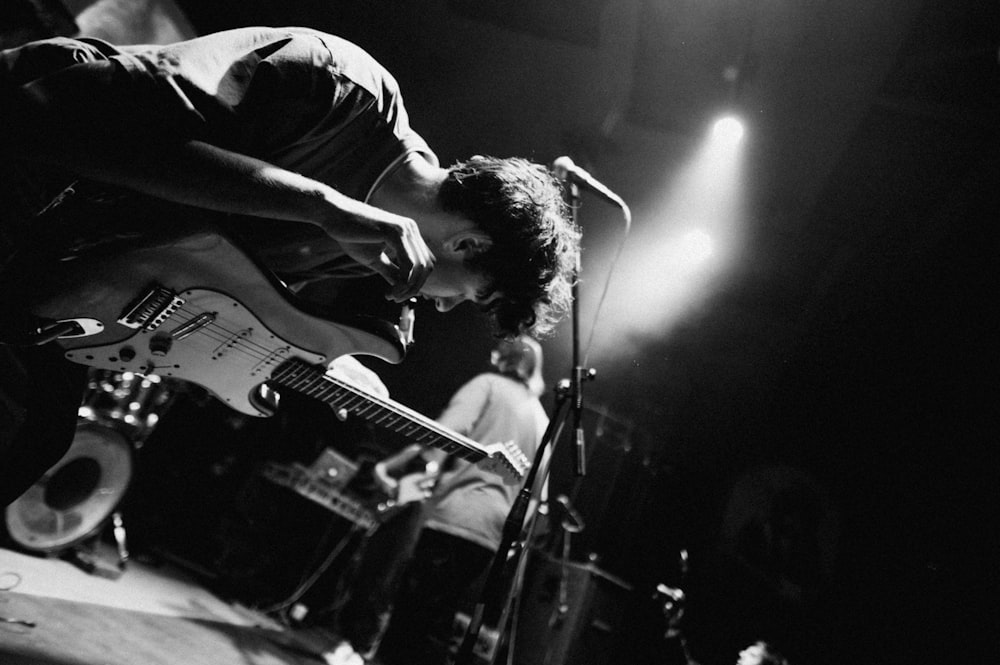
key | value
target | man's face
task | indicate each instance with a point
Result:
(451, 283)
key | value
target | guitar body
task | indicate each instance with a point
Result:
(194, 307)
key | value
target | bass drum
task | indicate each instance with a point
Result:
(77, 496)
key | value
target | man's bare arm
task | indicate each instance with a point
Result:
(63, 121)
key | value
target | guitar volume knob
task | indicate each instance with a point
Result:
(159, 345)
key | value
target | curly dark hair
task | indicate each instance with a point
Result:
(533, 257)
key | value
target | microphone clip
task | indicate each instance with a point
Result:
(572, 521)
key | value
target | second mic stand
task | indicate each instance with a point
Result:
(496, 586)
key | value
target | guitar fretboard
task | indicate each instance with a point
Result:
(395, 417)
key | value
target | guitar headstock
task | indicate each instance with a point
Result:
(506, 459)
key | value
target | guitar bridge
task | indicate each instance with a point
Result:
(151, 309)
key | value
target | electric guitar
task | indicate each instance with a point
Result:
(195, 306)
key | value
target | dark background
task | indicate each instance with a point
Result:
(819, 431)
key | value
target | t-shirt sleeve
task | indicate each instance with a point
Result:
(300, 99)
(249, 90)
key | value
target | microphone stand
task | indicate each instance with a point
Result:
(496, 580)
(579, 373)
(495, 584)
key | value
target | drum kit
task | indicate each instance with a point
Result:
(80, 495)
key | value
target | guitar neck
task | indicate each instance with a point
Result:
(395, 417)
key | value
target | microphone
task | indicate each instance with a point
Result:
(565, 169)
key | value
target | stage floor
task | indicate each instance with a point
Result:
(52, 612)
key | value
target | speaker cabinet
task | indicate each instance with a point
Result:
(571, 614)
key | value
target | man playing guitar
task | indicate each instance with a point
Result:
(295, 142)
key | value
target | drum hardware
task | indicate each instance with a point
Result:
(672, 602)
(87, 556)
(73, 501)
(67, 510)
(129, 402)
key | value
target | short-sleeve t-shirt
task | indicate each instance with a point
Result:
(472, 503)
(303, 100)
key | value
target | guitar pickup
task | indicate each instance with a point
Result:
(273, 358)
(194, 325)
(151, 309)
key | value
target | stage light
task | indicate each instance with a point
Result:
(689, 235)
(728, 130)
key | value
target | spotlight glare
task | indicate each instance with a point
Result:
(728, 130)
(698, 247)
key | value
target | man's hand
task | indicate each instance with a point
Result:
(411, 487)
(415, 487)
(389, 244)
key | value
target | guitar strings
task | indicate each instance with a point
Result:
(251, 348)
(220, 333)
(322, 383)
(248, 346)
